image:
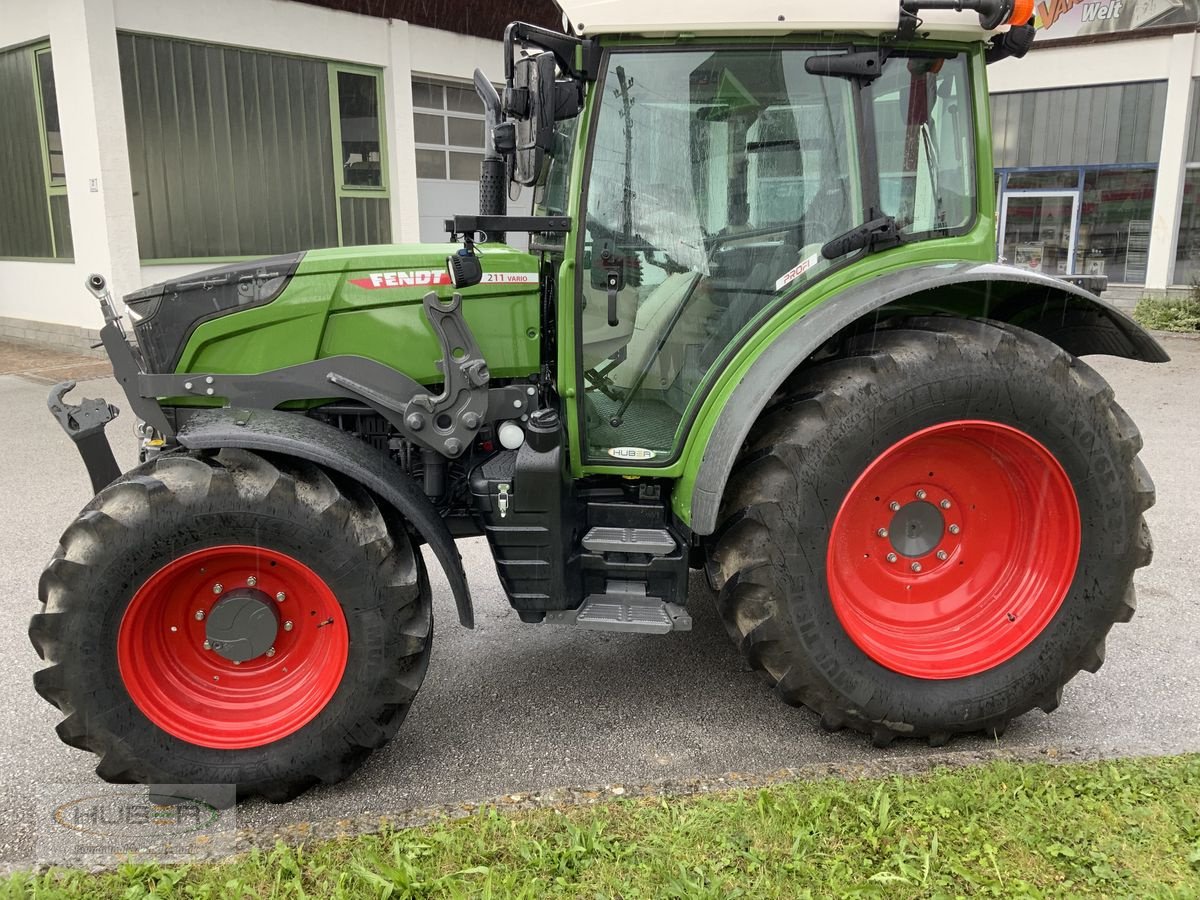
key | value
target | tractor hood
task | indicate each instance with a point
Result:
(281, 310)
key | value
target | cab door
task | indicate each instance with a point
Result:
(715, 177)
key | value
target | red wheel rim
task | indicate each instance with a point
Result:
(955, 595)
(201, 697)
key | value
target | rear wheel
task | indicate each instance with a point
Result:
(933, 532)
(232, 619)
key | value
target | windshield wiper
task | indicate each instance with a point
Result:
(881, 232)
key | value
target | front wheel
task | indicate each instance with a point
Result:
(933, 532)
(230, 618)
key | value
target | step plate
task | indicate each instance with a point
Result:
(654, 541)
(608, 612)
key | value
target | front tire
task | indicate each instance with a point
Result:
(933, 532)
(232, 619)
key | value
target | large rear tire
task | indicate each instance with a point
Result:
(934, 531)
(167, 690)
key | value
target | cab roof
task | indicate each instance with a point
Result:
(748, 17)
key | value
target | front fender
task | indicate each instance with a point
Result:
(1079, 322)
(295, 435)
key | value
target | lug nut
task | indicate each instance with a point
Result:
(916, 567)
(894, 506)
(945, 504)
(270, 651)
(218, 587)
(287, 626)
(954, 529)
(943, 555)
(891, 557)
(882, 532)
(199, 615)
(921, 495)
(251, 581)
(280, 597)
(207, 645)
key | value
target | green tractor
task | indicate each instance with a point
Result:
(760, 330)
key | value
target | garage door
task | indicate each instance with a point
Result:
(449, 127)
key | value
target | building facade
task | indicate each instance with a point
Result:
(1096, 149)
(151, 140)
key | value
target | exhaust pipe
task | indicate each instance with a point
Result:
(493, 172)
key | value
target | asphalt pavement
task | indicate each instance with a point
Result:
(510, 707)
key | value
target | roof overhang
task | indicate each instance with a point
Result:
(747, 17)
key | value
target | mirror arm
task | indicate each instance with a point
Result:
(563, 46)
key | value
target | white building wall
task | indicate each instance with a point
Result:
(82, 35)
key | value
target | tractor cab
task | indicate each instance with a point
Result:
(714, 180)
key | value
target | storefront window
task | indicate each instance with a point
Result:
(1057, 180)
(1187, 254)
(1114, 224)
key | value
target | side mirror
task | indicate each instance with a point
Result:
(533, 78)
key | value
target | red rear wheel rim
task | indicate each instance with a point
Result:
(954, 549)
(201, 697)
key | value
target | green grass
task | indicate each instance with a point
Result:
(1170, 313)
(1112, 829)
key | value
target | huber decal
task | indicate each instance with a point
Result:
(636, 454)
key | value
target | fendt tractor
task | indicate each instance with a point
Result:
(755, 325)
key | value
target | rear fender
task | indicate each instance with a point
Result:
(1079, 322)
(295, 435)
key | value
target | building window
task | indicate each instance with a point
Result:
(34, 219)
(1114, 224)
(1079, 221)
(55, 167)
(240, 153)
(1187, 246)
(358, 129)
(1187, 252)
(448, 124)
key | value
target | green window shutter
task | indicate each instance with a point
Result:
(26, 226)
(230, 150)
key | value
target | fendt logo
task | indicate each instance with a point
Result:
(433, 277)
(418, 278)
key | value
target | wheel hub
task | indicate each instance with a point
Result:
(232, 646)
(243, 625)
(917, 529)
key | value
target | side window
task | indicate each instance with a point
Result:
(925, 144)
(716, 178)
(55, 169)
(358, 132)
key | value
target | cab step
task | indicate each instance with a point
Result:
(650, 541)
(624, 606)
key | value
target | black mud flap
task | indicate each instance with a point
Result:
(295, 435)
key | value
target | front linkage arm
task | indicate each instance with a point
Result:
(84, 424)
(445, 423)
